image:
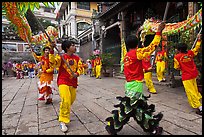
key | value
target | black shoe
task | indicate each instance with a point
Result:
(157, 131)
(110, 130)
(49, 101)
(158, 117)
(199, 112)
(163, 80)
(151, 107)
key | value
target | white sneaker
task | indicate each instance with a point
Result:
(63, 127)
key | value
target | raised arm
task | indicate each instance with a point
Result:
(197, 46)
(38, 58)
(176, 64)
(146, 51)
(55, 60)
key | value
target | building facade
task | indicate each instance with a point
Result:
(75, 20)
(116, 20)
(124, 18)
(75, 17)
(47, 13)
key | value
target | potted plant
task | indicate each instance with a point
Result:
(107, 64)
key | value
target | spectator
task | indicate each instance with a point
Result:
(5, 69)
(14, 68)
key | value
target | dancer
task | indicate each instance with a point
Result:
(98, 65)
(183, 61)
(19, 71)
(93, 67)
(45, 84)
(31, 71)
(66, 81)
(147, 69)
(160, 64)
(134, 104)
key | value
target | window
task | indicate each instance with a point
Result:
(9, 47)
(26, 48)
(81, 26)
(4, 17)
(3, 28)
(83, 5)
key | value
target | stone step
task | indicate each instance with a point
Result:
(176, 83)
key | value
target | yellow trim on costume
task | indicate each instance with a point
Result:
(197, 47)
(146, 51)
(176, 64)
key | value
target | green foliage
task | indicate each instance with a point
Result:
(92, 57)
(200, 4)
(107, 61)
(37, 5)
(46, 4)
(185, 37)
(171, 53)
(24, 6)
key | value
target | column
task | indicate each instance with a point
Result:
(61, 30)
(191, 13)
(73, 20)
(73, 27)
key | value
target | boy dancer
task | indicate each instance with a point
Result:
(184, 62)
(147, 69)
(66, 81)
(134, 103)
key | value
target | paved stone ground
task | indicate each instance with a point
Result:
(23, 114)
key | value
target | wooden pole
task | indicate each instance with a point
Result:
(164, 19)
(30, 46)
(43, 30)
(166, 11)
(196, 39)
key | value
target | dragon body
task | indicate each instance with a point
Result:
(150, 26)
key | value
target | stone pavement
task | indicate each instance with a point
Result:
(23, 114)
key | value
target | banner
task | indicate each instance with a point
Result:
(123, 53)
